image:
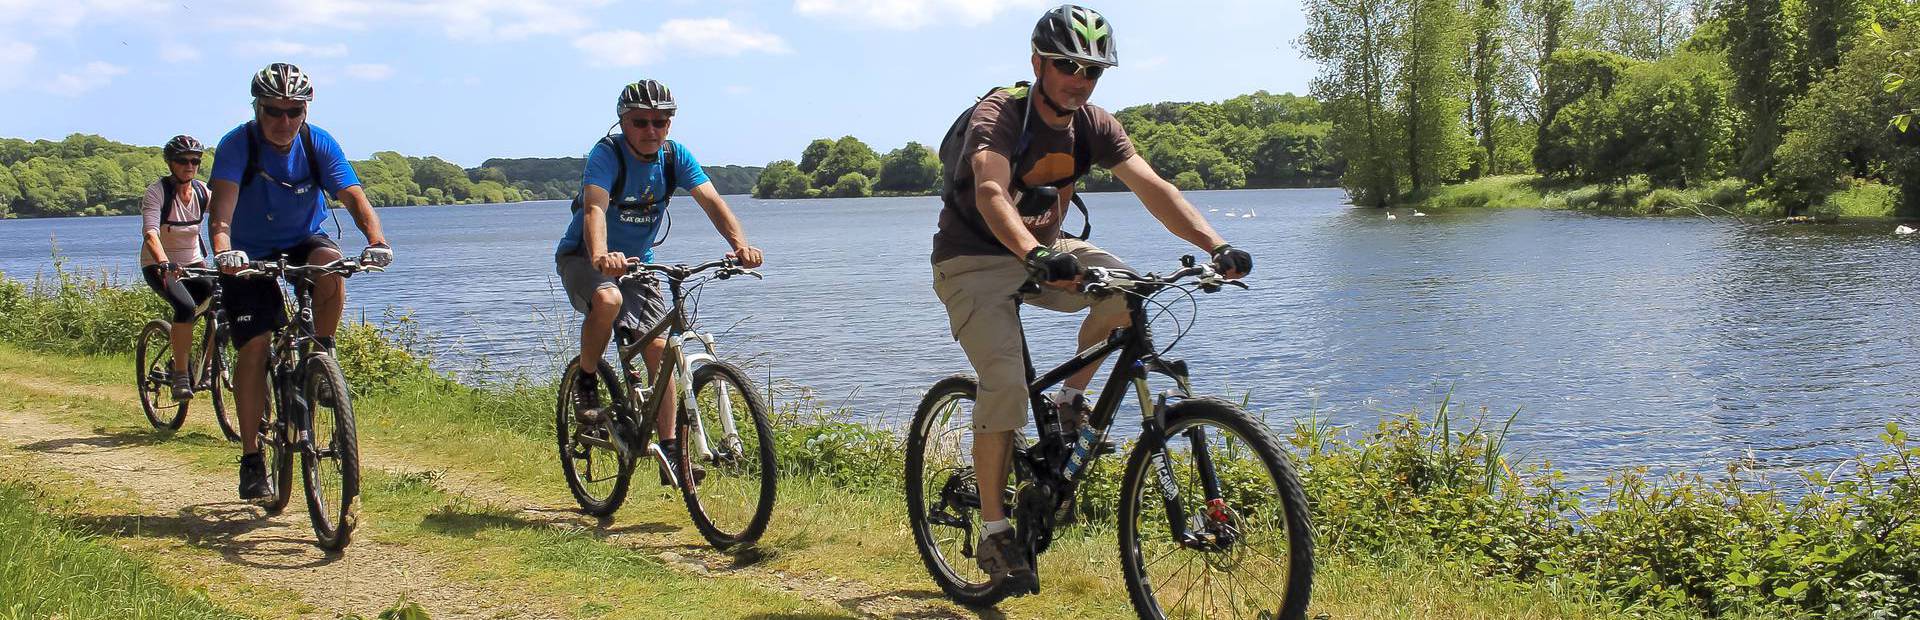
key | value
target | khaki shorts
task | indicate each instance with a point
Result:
(978, 292)
(642, 306)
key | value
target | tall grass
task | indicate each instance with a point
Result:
(1437, 485)
(1726, 197)
(50, 571)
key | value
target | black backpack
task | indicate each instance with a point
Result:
(168, 187)
(952, 159)
(670, 174)
(253, 156)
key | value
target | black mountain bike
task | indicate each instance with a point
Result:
(315, 411)
(722, 422)
(1212, 519)
(209, 364)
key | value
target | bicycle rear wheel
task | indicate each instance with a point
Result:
(1245, 547)
(153, 359)
(943, 497)
(732, 505)
(596, 473)
(330, 466)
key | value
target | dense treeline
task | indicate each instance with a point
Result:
(90, 175)
(1793, 98)
(1250, 141)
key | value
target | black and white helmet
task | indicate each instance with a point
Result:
(1076, 33)
(282, 80)
(646, 95)
(182, 145)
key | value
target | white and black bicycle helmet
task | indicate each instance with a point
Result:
(1076, 33)
(182, 145)
(646, 95)
(282, 80)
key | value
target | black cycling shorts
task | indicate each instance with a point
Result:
(254, 305)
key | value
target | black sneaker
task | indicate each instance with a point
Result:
(254, 484)
(182, 386)
(586, 401)
(1001, 557)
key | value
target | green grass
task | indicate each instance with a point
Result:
(50, 570)
(1633, 197)
(1863, 199)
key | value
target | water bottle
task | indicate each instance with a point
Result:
(1081, 446)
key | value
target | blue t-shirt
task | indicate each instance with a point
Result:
(269, 216)
(631, 229)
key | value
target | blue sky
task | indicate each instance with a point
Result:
(472, 79)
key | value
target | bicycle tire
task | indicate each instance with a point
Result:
(563, 425)
(939, 407)
(275, 438)
(753, 455)
(335, 441)
(153, 358)
(1139, 480)
(220, 358)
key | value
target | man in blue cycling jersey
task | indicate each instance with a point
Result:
(616, 221)
(271, 179)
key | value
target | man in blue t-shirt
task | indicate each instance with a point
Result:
(603, 240)
(271, 179)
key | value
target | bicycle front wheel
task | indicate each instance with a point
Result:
(732, 504)
(153, 359)
(1213, 522)
(330, 465)
(597, 473)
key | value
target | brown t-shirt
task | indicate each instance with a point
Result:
(995, 126)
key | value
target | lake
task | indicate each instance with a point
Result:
(1674, 343)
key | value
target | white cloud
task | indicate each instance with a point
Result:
(288, 51)
(95, 75)
(909, 14)
(696, 37)
(369, 72)
(459, 19)
(15, 57)
(179, 52)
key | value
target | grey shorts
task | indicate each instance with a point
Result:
(642, 306)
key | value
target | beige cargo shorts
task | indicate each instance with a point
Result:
(978, 292)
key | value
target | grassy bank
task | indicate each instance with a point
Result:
(1421, 516)
(1726, 197)
(54, 571)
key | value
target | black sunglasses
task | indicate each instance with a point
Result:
(191, 162)
(283, 112)
(1070, 66)
(658, 123)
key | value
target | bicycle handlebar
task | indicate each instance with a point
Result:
(269, 269)
(727, 268)
(1103, 279)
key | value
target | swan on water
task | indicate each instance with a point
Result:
(1903, 230)
(1391, 217)
(1417, 213)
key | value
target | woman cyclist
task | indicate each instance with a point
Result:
(170, 215)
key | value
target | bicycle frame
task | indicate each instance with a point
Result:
(677, 328)
(1049, 459)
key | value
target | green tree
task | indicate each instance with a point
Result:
(847, 155)
(815, 153)
(1349, 39)
(1432, 88)
(1839, 130)
(1189, 181)
(1578, 84)
(9, 193)
(1487, 60)
(773, 177)
(850, 185)
(910, 168)
(1551, 17)
(1756, 38)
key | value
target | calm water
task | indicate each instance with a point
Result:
(1673, 343)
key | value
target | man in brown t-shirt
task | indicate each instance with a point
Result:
(1018, 144)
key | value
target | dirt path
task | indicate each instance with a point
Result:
(178, 501)
(201, 510)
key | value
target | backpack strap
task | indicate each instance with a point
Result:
(670, 173)
(253, 168)
(168, 187)
(1082, 162)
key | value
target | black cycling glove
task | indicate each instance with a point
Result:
(1227, 258)
(1046, 265)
